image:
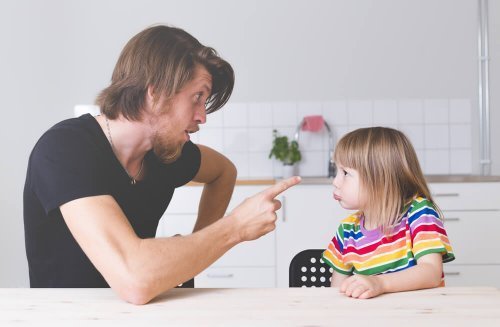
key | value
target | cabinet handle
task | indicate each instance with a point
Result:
(452, 273)
(220, 275)
(283, 207)
(452, 219)
(446, 194)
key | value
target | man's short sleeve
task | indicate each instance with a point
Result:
(64, 166)
(186, 167)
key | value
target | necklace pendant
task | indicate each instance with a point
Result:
(133, 181)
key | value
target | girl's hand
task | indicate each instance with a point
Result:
(362, 287)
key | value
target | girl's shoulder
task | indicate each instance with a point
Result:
(421, 206)
(352, 219)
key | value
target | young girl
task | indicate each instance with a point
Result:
(396, 240)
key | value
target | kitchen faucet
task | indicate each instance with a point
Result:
(332, 169)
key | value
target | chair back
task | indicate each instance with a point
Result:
(186, 284)
(307, 269)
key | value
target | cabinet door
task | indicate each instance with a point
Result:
(473, 236)
(471, 275)
(466, 196)
(236, 277)
(308, 220)
(248, 264)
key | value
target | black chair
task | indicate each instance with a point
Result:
(308, 269)
(186, 284)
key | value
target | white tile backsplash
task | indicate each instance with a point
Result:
(241, 161)
(460, 111)
(260, 139)
(410, 111)
(285, 114)
(235, 115)
(215, 119)
(260, 115)
(213, 138)
(439, 129)
(437, 136)
(415, 133)
(335, 113)
(436, 111)
(460, 136)
(360, 112)
(437, 161)
(259, 164)
(313, 141)
(385, 113)
(313, 163)
(236, 139)
(460, 161)
(308, 109)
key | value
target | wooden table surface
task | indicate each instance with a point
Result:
(442, 307)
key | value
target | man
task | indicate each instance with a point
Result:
(96, 187)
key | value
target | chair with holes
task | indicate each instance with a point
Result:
(186, 284)
(307, 269)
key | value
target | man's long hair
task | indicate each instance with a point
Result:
(165, 59)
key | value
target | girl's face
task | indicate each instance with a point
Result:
(347, 188)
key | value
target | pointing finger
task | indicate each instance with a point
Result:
(280, 187)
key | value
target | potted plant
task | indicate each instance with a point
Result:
(287, 152)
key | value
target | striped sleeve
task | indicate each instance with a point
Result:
(427, 231)
(334, 256)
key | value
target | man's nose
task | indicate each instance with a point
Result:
(201, 115)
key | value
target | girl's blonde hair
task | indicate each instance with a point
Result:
(389, 172)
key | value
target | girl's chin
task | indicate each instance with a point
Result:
(346, 205)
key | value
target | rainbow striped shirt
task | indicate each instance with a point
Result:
(355, 250)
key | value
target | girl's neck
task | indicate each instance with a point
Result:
(368, 222)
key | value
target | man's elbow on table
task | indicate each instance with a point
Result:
(134, 290)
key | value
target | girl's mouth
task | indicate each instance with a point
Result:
(336, 197)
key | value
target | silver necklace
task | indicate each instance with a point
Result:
(133, 179)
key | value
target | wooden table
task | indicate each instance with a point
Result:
(442, 307)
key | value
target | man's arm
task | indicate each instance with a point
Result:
(219, 175)
(140, 269)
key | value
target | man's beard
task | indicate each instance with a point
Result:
(166, 150)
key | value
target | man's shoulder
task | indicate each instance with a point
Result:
(70, 131)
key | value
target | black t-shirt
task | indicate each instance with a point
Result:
(73, 160)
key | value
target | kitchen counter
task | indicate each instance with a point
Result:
(444, 306)
(429, 178)
(326, 180)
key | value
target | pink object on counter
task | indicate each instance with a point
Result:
(312, 123)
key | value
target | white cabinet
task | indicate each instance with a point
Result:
(472, 220)
(249, 264)
(309, 219)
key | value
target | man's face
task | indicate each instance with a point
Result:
(181, 115)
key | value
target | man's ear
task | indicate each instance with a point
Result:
(150, 96)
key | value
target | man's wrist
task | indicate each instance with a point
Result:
(231, 229)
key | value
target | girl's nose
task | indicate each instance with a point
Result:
(336, 181)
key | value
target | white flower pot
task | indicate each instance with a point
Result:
(289, 171)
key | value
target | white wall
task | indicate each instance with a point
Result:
(57, 53)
